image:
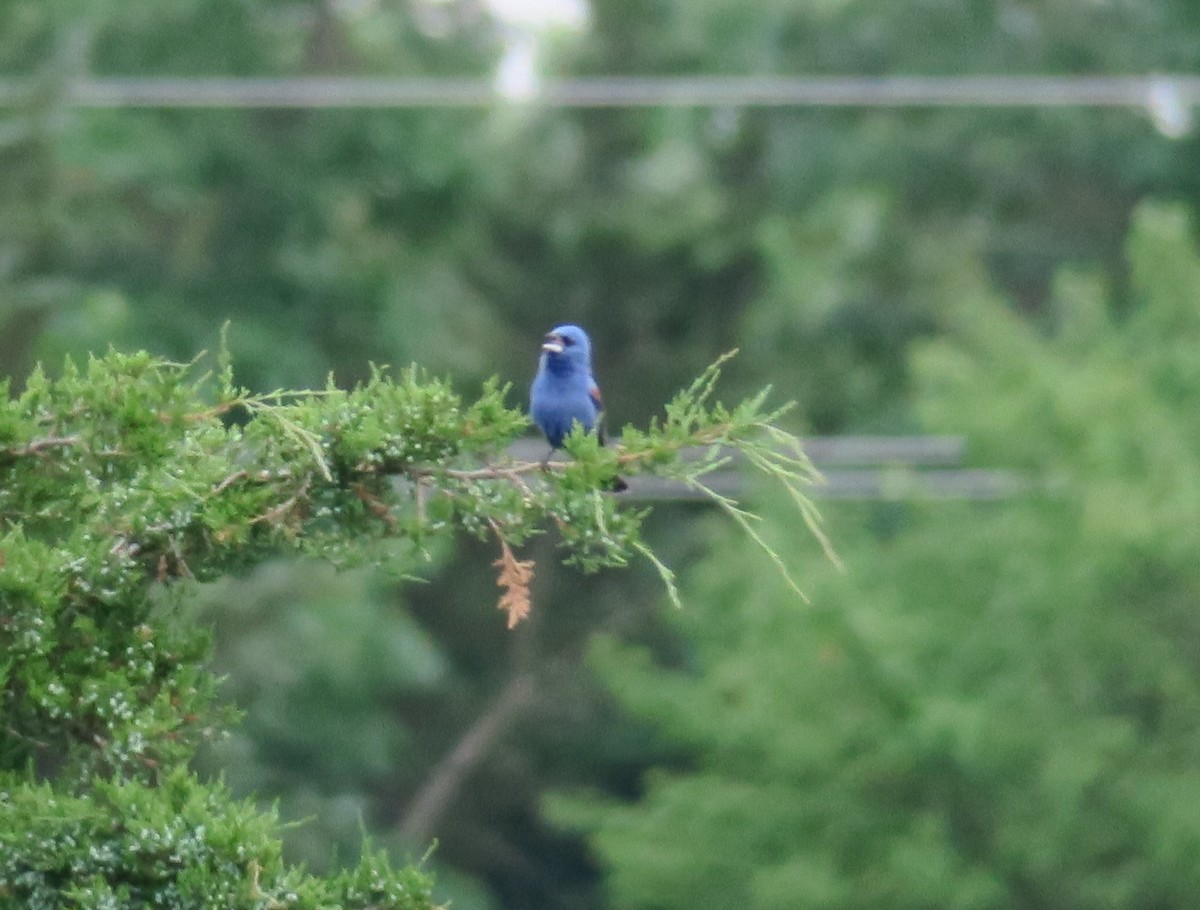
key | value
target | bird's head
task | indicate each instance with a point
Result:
(567, 346)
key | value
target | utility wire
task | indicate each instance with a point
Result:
(885, 468)
(1155, 93)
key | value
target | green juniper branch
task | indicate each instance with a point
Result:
(130, 473)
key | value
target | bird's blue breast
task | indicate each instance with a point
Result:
(556, 402)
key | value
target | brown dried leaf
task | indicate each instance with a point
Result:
(515, 576)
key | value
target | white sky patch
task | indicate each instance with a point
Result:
(1170, 113)
(525, 24)
(539, 15)
(517, 75)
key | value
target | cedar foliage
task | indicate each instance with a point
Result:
(122, 481)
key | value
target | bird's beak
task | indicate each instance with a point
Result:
(553, 345)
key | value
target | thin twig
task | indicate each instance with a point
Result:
(491, 472)
(274, 515)
(40, 445)
(228, 482)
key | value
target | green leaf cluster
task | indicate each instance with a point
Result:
(180, 844)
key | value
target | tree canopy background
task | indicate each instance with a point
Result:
(1025, 277)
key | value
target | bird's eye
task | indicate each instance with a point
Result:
(567, 340)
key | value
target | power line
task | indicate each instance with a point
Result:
(887, 468)
(850, 451)
(892, 484)
(1156, 94)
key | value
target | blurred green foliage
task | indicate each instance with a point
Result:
(827, 244)
(995, 707)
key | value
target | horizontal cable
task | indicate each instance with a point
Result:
(885, 484)
(853, 467)
(830, 451)
(633, 91)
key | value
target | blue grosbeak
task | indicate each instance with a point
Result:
(564, 392)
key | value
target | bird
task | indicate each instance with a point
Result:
(564, 392)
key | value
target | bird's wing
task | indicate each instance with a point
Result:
(594, 394)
